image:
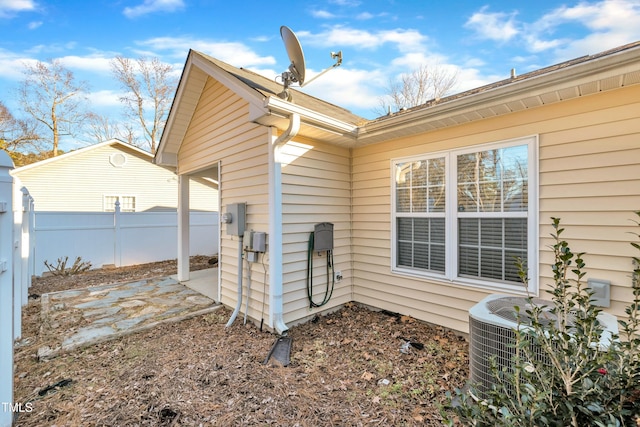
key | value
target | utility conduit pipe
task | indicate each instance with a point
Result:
(246, 306)
(239, 302)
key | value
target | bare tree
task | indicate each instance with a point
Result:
(150, 88)
(50, 94)
(100, 128)
(18, 137)
(425, 83)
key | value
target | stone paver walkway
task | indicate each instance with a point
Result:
(86, 316)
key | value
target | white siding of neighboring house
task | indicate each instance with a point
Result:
(589, 176)
(80, 181)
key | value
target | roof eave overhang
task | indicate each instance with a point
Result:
(276, 112)
(556, 86)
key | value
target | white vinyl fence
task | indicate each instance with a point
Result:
(11, 285)
(28, 238)
(118, 238)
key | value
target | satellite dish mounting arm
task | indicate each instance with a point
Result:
(334, 55)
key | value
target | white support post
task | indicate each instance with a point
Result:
(6, 290)
(117, 238)
(183, 228)
(17, 260)
(27, 204)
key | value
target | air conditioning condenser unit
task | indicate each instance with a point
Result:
(492, 325)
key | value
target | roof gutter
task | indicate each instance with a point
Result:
(276, 303)
(279, 107)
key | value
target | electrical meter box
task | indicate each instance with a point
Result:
(323, 237)
(237, 223)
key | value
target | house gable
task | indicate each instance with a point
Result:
(89, 178)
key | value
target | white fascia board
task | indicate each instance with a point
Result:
(166, 159)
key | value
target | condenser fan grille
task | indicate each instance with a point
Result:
(505, 309)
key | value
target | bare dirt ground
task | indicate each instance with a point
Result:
(346, 370)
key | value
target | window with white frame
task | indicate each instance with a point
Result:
(127, 203)
(467, 215)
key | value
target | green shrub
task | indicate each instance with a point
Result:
(577, 382)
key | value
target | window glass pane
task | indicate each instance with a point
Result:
(421, 229)
(418, 199)
(405, 254)
(437, 230)
(403, 200)
(491, 263)
(127, 204)
(436, 185)
(511, 271)
(403, 187)
(419, 173)
(421, 256)
(421, 243)
(515, 233)
(488, 247)
(491, 232)
(468, 262)
(493, 180)
(405, 228)
(515, 176)
(468, 231)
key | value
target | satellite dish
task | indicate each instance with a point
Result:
(294, 50)
(297, 68)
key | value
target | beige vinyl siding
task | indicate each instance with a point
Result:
(80, 181)
(220, 132)
(589, 175)
(316, 187)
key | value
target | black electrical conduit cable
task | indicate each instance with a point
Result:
(330, 278)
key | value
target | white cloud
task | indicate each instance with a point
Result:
(364, 16)
(95, 63)
(151, 6)
(609, 23)
(322, 14)
(234, 53)
(497, 26)
(34, 24)
(353, 89)
(12, 64)
(105, 99)
(405, 40)
(8, 8)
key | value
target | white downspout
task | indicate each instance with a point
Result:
(275, 226)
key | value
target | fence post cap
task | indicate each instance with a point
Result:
(5, 160)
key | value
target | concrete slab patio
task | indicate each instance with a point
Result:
(80, 317)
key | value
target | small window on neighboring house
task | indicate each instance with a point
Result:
(127, 203)
(467, 215)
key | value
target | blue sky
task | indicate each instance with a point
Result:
(381, 39)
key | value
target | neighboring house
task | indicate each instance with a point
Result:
(430, 205)
(93, 178)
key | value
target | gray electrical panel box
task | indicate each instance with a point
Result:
(259, 241)
(237, 222)
(255, 241)
(323, 237)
